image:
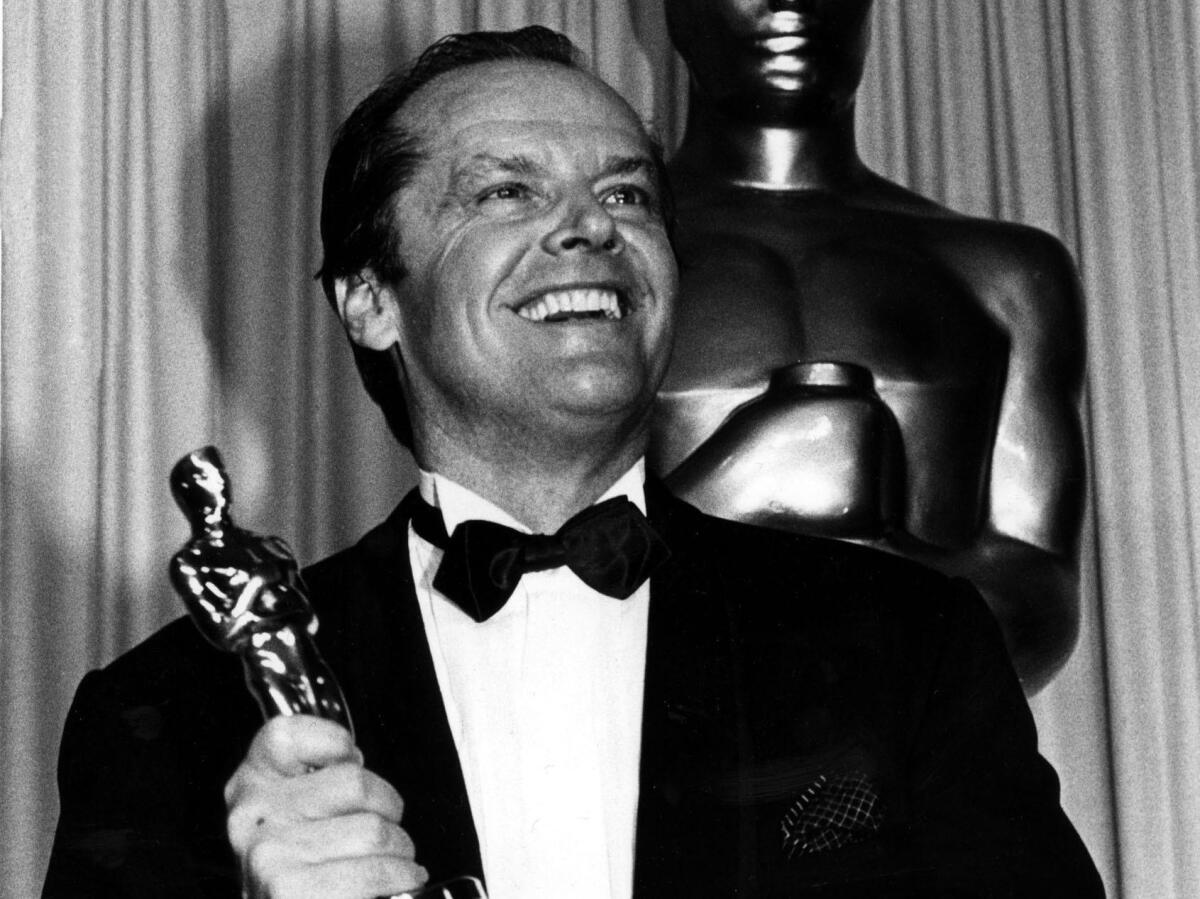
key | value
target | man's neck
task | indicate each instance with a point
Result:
(538, 488)
(818, 155)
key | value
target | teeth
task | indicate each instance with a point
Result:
(571, 301)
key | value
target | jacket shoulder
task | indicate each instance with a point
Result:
(381, 555)
(781, 570)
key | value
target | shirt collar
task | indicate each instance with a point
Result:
(459, 503)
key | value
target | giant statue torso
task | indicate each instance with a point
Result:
(916, 295)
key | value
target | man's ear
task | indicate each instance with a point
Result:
(369, 310)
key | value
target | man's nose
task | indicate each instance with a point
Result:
(584, 225)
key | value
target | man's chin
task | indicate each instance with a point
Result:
(603, 409)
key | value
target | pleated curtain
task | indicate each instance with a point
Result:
(160, 175)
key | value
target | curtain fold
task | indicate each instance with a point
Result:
(161, 173)
(1133, 76)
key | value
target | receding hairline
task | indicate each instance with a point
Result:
(458, 82)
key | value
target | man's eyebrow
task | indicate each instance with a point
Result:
(628, 165)
(482, 164)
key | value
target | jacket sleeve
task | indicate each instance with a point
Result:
(141, 802)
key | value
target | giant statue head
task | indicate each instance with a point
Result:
(773, 62)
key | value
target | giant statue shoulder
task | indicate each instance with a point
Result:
(929, 301)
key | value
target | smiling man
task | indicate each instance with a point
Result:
(565, 682)
(537, 290)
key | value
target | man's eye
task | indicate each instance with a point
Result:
(628, 195)
(506, 192)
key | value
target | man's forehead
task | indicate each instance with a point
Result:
(538, 160)
(510, 102)
(525, 145)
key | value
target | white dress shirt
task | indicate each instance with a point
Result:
(545, 703)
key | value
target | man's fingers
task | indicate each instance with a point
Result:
(293, 744)
(288, 746)
(302, 769)
(343, 789)
(359, 855)
(307, 819)
(350, 836)
(358, 878)
(256, 800)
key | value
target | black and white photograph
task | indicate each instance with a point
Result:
(607, 449)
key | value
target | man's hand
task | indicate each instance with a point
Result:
(307, 819)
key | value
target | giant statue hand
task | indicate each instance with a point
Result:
(817, 452)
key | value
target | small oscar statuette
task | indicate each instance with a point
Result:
(245, 593)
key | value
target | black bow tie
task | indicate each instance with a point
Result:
(610, 546)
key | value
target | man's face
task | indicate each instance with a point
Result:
(539, 284)
(780, 60)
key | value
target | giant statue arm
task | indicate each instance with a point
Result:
(998, 497)
(1023, 557)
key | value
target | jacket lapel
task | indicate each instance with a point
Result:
(399, 717)
(692, 830)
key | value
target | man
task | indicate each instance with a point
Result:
(766, 715)
(791, 249)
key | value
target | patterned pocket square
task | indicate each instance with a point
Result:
(832, 812)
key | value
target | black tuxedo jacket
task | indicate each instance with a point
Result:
(775, 664)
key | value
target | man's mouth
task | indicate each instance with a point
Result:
(575, 304)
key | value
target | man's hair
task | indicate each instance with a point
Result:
(374, 156)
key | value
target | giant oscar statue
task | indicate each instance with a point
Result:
(967, 330)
